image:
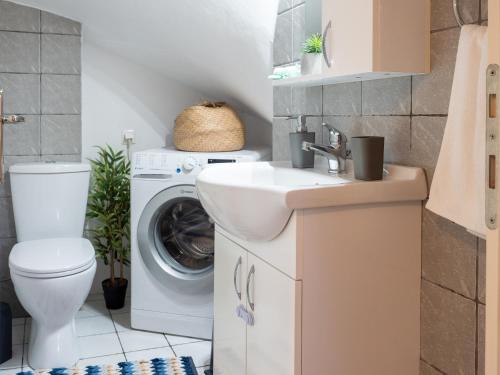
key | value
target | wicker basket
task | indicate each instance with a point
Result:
(209, 127)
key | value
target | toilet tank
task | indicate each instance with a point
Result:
(49, 199)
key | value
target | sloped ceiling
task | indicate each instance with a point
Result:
(220, 47)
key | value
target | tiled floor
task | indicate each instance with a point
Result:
(105, 337)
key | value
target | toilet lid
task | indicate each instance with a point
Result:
(52, 257)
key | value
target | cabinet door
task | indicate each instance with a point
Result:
(273, 342)
(348, 30)
(229, 330)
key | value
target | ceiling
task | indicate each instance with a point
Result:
(220, 47)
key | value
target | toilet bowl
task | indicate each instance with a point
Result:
(52, 277)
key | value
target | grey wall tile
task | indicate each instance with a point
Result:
(61, 94)
(61, 134)
(67, 158)
(390, 96)
(23, 138)
(61, 54)
(431, 92)
(7, 162)
(397, 133)
(481, 271)
(481, 317)
(281, 141)
(284, 5)
(16, 17)
(282, 101)
(298, 2)
(20, 52)
(342, 99)
(54, 24)
(283, 39)
(448, 254)
(6, 245)
(351, 126)
(448, 330)
(307, 100)
(426, 369)
(443, 17)
(21, 93)
(8, 295)
(299, 30)
(426, 138)
(7, 228)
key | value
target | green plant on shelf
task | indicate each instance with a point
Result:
(313, 44)
(109, 209)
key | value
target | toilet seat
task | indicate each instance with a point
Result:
(52, 257)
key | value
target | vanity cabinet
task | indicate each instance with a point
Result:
(369, 39)
(272, 344)
(336, 292)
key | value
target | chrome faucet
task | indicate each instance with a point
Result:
(336, 152)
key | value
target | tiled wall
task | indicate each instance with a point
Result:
(40, 74)
(411, 114)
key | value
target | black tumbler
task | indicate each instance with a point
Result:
(368, 157)
(5, 332)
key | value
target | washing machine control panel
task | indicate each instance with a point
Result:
(168, 163)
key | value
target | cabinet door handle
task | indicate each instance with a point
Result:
(249, 277)
(235, 277)
(323, 42)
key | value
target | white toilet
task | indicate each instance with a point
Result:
(51, 266)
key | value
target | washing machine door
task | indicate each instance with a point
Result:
(176, 236)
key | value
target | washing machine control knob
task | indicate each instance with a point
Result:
(189, 164)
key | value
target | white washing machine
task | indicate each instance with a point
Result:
(172, 241)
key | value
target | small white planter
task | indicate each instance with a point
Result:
(311, 63)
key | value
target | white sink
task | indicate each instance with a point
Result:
(254, 201)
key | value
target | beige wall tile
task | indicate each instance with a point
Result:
(431, 92)
(443, 17)
(481, 271)
(426, 369)
(448, 331)
(481, 315)
(448, 255)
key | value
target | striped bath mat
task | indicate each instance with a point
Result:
(156, 366)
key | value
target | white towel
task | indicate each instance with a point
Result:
(457, 191)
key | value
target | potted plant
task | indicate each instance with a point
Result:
(311, 62)
(109, 211)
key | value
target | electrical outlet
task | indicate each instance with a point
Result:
(128, 136)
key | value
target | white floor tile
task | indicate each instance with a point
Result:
(95, 297)
(140, 340)
(92, 308)
(99, 345)
(148, 354)
(201, 370)
(16, 360)
(124, 309)
(12, 371)
(103, 360)
(18, 335)
(122, 322)
(94, 325)
(200, 351)
(179, 340)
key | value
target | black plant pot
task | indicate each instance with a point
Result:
(115, 295)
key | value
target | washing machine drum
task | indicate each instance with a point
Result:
(176, 235)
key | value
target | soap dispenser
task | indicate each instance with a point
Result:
(301, 158)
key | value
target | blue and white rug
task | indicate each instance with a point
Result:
(156, 366)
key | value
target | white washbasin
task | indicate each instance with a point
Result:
(254, 201)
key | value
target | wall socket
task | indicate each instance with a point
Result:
(128, 136)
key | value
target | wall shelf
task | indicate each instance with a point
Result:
(320, 79)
